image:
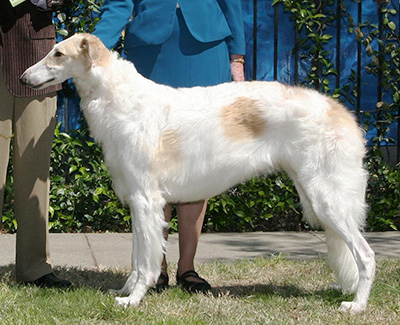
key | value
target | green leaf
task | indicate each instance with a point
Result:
(98, 191)
(392, 25)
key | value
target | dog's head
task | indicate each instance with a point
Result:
(72, 58)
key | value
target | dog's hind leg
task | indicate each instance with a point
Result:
(347, 247)
(149, 245)
(338, 203)
(338, 252)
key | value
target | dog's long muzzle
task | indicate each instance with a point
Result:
(27, 80)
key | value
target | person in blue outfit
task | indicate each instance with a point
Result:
(180, 43)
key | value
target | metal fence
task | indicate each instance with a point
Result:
(270, 55)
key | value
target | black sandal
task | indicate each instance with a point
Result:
(162, 282)
(192, 286)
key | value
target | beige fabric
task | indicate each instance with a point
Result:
(32, 120)
(26, 36)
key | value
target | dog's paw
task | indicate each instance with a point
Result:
(127, 302)
(120, 292)
(335, 286)
(351, 307)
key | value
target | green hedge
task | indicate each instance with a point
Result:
(81, 195)
(82, 199)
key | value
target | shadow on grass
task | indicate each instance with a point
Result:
(100, 279)
(105, 279)
(257, 290)
(266, 291)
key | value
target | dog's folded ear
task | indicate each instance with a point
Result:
(94, 51)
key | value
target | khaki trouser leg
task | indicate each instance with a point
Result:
(34, 122)
(33, 125)
(6, 115)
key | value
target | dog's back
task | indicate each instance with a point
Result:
(215, 130)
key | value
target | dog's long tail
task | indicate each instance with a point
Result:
(341, 260)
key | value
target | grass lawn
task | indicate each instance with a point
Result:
(261, 291)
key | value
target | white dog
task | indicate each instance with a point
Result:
(181, 145)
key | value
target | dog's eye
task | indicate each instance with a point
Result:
(58, 54)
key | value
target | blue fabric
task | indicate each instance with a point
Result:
(68, 109)
(154, 20)
(170, 46)
(286, 43)
(182, 61)
(176, 46)
(120, 12)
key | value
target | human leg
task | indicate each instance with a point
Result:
(190, 222)
(34, 122)
(6, 113)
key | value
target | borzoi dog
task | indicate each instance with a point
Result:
(181, 145)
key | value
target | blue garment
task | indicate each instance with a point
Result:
(183, 47)
(182, 61)
(153, 22)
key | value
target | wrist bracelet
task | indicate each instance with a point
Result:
(240, 60)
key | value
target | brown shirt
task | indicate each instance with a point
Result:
(26, 36)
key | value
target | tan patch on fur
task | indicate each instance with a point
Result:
(66, 48)
(94, 50)
(86, 47)
(243, 120)
(168, 154)
(341, 117)
(98, 53)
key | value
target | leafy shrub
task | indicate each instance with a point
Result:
(7, 220)
(77, 17)
(383, 193)
(81, 197)
(263, 204)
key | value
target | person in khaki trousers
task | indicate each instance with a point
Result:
(27, 116)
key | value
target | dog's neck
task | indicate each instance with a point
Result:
(98, 79)
(84, 88)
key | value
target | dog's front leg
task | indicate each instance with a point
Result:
(131, 282)
(149, 245)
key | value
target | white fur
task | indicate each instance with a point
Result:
(312, 138)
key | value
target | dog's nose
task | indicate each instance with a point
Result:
(22, 79)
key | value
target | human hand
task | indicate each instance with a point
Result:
(237, 67)
(54, 5)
